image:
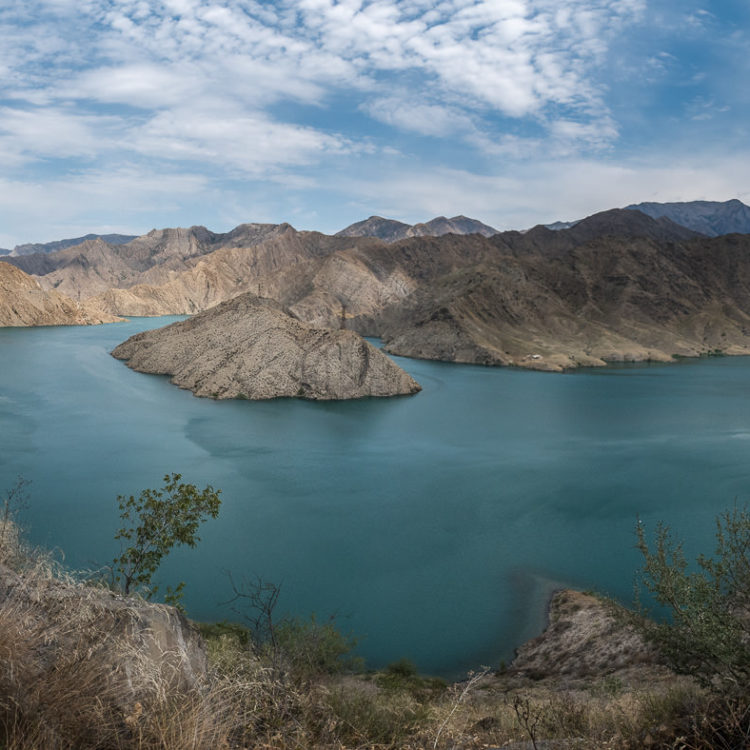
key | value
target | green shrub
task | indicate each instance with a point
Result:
(402, 676)
(310, 648)
(708, 631)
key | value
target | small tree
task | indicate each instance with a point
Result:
(708, 632)
(156, 521)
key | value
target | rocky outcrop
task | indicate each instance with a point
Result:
(250, 348)
(583, 640)
(24, 303)
(57, 634)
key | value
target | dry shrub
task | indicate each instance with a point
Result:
(59, 692)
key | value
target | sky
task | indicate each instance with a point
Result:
(128, 115)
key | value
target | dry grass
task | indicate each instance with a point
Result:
(62, 689)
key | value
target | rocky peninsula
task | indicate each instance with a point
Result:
(249, 347)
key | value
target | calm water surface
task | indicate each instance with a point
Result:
(433, 526)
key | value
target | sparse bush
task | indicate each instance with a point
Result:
(402, 675)
(156, 521)
(708, 633)
(385, 720)
(311, 648)
(13, 551)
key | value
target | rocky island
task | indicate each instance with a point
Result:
(249, 347)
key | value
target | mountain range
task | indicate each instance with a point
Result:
(711, 218)
(618, 285)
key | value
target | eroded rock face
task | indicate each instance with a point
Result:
(24, 303)
(250, 348)
(121, 649)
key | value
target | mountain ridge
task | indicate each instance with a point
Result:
(391, 230)
(712, 218)
(617, 286)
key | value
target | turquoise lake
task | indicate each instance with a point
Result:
(433, 526)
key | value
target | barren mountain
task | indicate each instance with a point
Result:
(711, 218)
(283, 267)
(610, 299)
(390, 230)
(24, 303)
(617, 222)
(95, 266)
(250, 348)
(616, 286)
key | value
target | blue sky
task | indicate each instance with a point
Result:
(125, 115)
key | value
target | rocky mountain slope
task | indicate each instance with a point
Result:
(616, 286)
(608, 299)
(96, 266)
(711, 218)
(24, 303)
(390, 230)
(250, 348)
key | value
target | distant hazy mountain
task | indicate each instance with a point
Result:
(390, 230)
(4, 252)
(51, 247)
(30, 248)
(711, 218)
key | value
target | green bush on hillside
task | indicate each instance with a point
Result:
(708, 633)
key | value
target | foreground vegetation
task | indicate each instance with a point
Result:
(293, 684)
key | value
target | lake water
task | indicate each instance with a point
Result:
(432, 526)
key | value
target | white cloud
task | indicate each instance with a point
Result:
(564, 189)
(53, 132)
(407, 113)
(517, 58)
(243, 142)
(145, 85)
(117, 199)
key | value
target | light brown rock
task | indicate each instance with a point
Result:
(250, 348)
(24, 303)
